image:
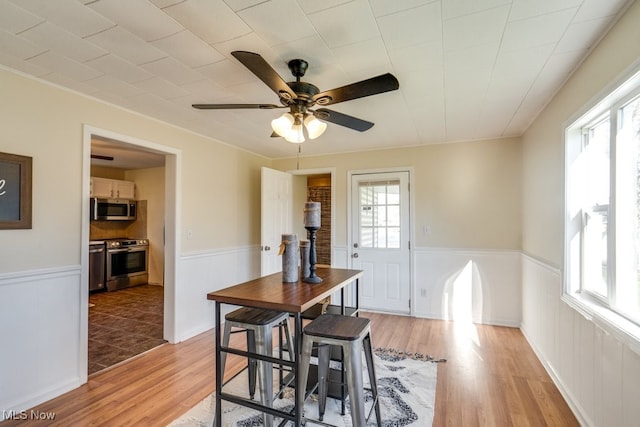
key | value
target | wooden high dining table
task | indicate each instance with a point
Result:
(269, 292)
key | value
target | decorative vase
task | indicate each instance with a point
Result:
(304, 259)
(289, 252)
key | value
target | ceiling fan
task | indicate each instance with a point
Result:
(299, 97)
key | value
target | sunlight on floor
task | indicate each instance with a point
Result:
(459, 303)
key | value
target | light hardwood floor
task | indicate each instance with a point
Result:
(491, 378)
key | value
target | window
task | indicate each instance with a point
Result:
(380, 214)
(603, 207)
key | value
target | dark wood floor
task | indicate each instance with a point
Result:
(491, 378)
(123, 324)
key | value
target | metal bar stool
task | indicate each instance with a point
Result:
(353, 334)
(258, 324)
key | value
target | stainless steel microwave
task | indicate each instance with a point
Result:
(113, 209)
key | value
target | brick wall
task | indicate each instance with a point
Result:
(322, 194)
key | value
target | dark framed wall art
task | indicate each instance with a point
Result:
(15, 191)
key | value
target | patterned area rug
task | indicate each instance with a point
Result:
(406, 388)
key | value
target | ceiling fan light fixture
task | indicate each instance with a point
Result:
(282, 125)
(296, 134)
(315, 127)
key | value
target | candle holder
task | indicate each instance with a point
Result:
(312, 256)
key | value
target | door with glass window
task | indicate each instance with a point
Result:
(380, 240)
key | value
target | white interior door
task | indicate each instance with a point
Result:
(276, 210)
(380, 240)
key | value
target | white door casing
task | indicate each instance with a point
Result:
(379, 243)
(276, 217)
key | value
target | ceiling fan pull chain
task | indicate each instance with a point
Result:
(298, 159)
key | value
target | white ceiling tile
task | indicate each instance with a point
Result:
(115, 86)
(429, 120)
(364, 59)
(63, 42)
(65, 66)
(162, 3)
(186, 47)
(140, 17)
(118, 67)
(399, 29)
(496, 115)
(475, 29)
(71, 15)
(173, 71)
(515, 71)
(466, 61)
(204, 91)
(68, 82)
(212, 21)
(278, 21)
(237, 5)
(127, 45)
(593, 9)
(458, 80)
(249, 42)
(583, 34)
(20, 64)
(455, 8)
(558, 67)
(527, 33)
(164, 88)
(386, 7)
(18, 46)
(14, 19)
(524, 9)
(337, 28)
(311, 6)
(227, 73)
(311, 49)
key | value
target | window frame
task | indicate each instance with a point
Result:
(594, 306)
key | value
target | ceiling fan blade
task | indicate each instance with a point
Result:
(342, 119)
(373, 86)
(235, 106)
(261, 68)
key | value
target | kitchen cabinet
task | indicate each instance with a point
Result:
(112, 188)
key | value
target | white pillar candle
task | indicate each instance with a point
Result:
(312, 214)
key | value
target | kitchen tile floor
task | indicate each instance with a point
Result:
(123, 324)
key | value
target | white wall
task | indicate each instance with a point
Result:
(207, 271)
(150, 187)
(40, 325)
(597, 370)
(481, 284)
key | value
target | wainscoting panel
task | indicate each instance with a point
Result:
(203, 272)
(43, 342)
(597, 373)
(482, 286)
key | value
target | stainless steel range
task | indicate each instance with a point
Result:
(127, 263)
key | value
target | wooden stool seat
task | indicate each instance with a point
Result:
(255, 316)
(353, 335)
(338, 327)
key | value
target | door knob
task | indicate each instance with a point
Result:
(355, 245)
(355, 255)
(267, 248)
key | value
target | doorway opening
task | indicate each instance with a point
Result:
(130, 320)
(316, 185)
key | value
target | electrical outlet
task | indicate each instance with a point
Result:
(189, 233)
(423, 292)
